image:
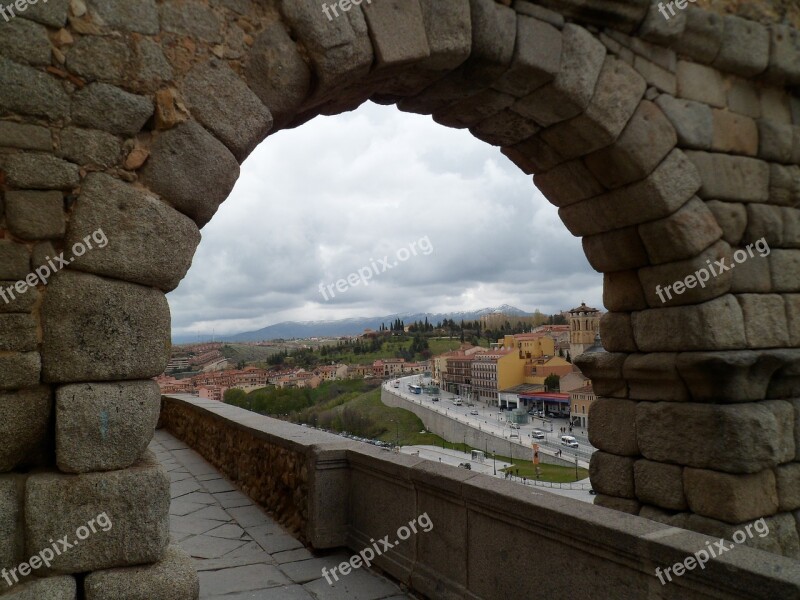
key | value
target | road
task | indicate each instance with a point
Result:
(495, 422)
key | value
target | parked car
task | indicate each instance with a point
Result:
(474, 412)
(466, 466)
(537, 435)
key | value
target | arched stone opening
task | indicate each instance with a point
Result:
(670, 146)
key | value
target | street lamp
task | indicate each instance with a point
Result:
(494, 462)
(576, 467)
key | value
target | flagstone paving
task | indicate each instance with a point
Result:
(240, 552)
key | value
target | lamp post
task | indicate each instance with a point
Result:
(494, 462)
(576, 467)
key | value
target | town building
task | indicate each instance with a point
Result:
(388, 367)
(584, 324)
(177, 363)
(572, 381)
(458, 375)
(580, 401)
(551, 402)
(532, 345)
(495, 370)
(439, 363)
(539, 369)
(331, 372)
(411, 368)
(517, 396)
(359, 371)
(212, 392)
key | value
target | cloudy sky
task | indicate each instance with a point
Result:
(462, 228)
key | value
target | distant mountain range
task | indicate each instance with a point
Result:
(354, 326)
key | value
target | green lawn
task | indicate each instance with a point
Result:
(554, 473)
(365, 415)
(275, 401)
(390, 348)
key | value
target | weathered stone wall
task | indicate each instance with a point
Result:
(766, 12)
(264, 467)
(666, 145)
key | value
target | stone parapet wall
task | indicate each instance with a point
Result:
(359, 494)
(268, 468)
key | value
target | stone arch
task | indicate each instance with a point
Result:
(666, 144)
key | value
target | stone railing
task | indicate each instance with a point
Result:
(350, 494)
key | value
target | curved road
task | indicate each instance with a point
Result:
(494, 421)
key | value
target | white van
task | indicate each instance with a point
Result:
(457, 401)
(568, 440)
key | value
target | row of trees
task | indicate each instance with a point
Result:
(470, 328)
(359, 346)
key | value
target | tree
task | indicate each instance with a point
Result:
(234, 396)
(551, 382)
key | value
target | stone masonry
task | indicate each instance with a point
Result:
(666, 145)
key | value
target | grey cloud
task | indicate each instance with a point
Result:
(315, 204)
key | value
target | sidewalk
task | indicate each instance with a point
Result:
(240, 552)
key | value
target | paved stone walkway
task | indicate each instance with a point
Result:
(240, 551)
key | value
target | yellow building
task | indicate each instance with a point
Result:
(540, 369)
(496, 370)
(532, 345)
